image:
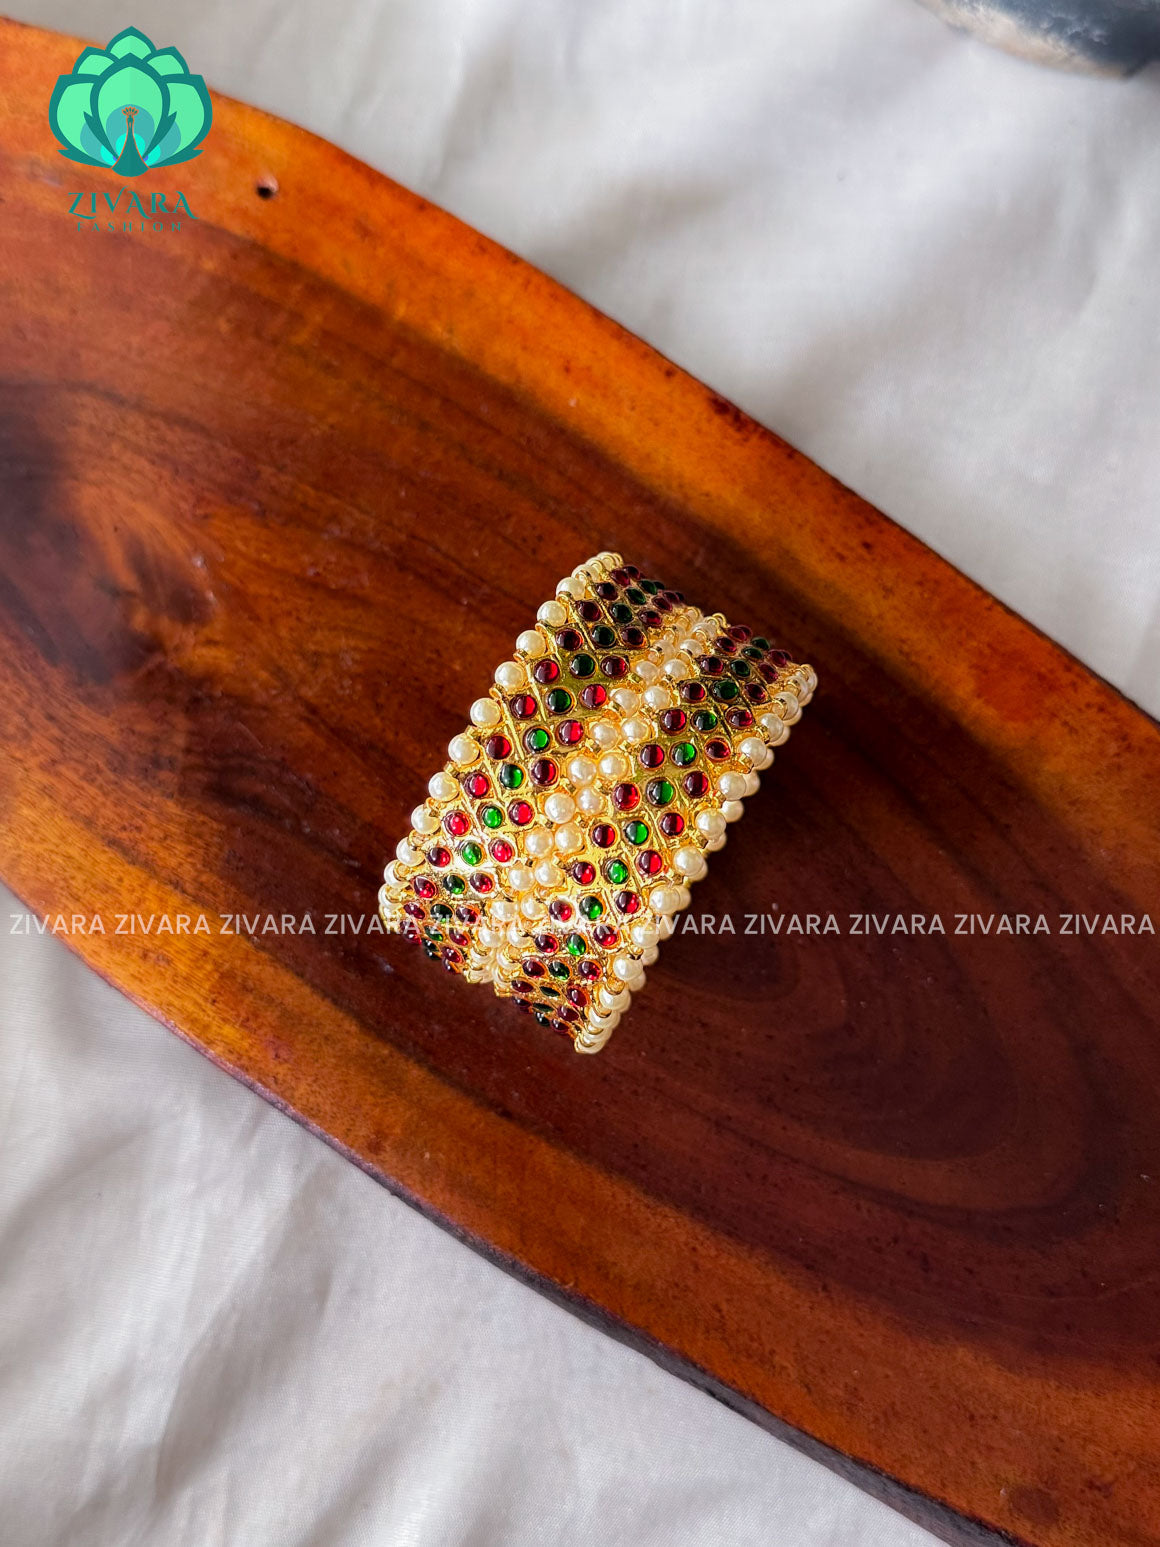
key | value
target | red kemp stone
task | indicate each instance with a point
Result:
(604, 835)
(594, 696)
(523, 706)
(456, 823)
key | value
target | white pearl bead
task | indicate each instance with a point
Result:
(554, 614)
(764, 760)
(666, 926)
(516, 934)
(485, 711)
(643, 935)
(659, 697)
(613, 766)
(571, 587)
(678, 668)
(424, 820)
(752, 784)
(532, 908)
(732, 785)
(549, 875)
(625, 968)
(581, 770)
(717, 843)
(510, 675)
(462, 749)
(626, 699)
(752, 747)
(604, 733)
(406, 854)
(691, 646)
(646, 670)
(788, 707)
(442, 786)
(774, 727)
(591, 801)
(568, 838)
(520, 878)
(609, 1000)
(503, 910)
(649, 956)
(731, 810)
(531, 642)
(391, 873)
(488, 937)
(537, 842)
(711, 823)
(559, 807)
(665, 899)
(688, 862)
(636, 728)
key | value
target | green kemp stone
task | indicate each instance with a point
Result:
(704, 720)
(558, 969)
(492, 816)
(440, 910)
(455, 885)
(651, 586)
(576, 945)
(660, 792)
(760, 643)
(549, 992)
(621, 613)
(582, 665)
(433, 935)
(543, 1017)
(636, 596)
(636, 832)
(511, 776)
(741, 669)
(603, 637)
(684, 753)
(724, 692)
(617, 872)
(536, 740)
(559, 701)
(471, 854)
(591, 907)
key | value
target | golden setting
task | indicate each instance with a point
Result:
(558, 844)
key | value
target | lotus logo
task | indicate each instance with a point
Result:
(130, 107)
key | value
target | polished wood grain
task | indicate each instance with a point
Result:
(277, 490)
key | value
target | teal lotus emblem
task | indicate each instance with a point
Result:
(130, 107)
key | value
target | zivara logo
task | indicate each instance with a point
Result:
(130, 108)
(90, 210)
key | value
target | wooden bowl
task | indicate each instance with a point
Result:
(280, 488)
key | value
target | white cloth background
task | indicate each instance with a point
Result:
(930, 266)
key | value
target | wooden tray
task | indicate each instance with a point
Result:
(897, 1197)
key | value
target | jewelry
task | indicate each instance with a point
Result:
(557, 846)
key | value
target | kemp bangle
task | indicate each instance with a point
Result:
(559, 842)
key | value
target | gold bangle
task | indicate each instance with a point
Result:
(560, 840)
